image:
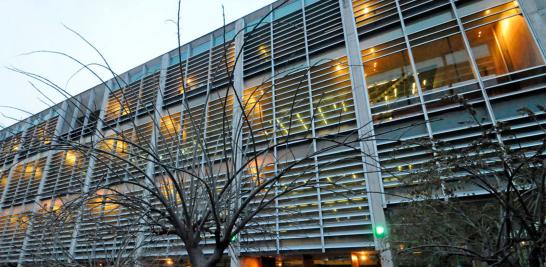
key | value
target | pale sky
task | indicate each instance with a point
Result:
(127, 32)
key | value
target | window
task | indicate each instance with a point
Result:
(443, 62)
(388, 72)
(503, 46)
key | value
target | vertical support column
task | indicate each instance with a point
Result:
(150, 166)
(313, 129)
(534, 12)
(36, 204)
(237, 123)
(89, 172)
(205, 120)
(363, 118)
(274, 132)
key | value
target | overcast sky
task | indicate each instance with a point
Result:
(127, 32)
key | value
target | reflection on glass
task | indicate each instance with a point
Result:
(503, 46)
(443, 62)
(389, 78)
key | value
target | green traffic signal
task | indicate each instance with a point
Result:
(379, 231)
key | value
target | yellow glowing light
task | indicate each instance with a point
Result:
(413, 89)
(188, 81)
(122, 147)
(254, 107)
(124, 111)
(505, 26)
(263, 50)
(28, 170)
(169, 262)
(479, 34)
(366, 10)
(395, 92)
(399, 168)
(354, 258)
(372, 50)
(516, 4)
(70, 158)
(15, 148)
(184, 135)
(424, 82)
(181, 89)
(339, 67)
(363, 257)
(487, 12)
(38, 173)
(169, 124)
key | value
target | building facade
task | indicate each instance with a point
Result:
(363, 65)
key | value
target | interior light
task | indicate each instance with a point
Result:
(169, 261)
(354, 258)
(505, 26)
(70, 157)
(366, 10)
(487, 12)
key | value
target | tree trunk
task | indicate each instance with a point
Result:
(198, 259)
(535, 257)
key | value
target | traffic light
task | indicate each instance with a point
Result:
(379, 231)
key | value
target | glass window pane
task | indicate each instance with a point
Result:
(442, 63)
(389, 77)
(504, 46)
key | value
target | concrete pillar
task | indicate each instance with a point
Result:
(238, 87)
(371, 167)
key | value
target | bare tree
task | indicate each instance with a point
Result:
(503, 224)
